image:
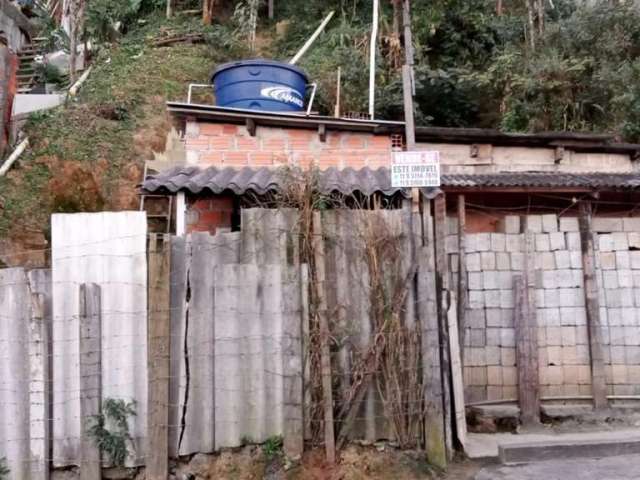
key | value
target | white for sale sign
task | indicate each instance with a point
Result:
(415, 169)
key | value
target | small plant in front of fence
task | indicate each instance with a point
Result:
(110, 429)
(4, 469)
(272, 448)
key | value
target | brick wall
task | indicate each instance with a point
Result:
(492, 260)
(215, 144)
(209, 213)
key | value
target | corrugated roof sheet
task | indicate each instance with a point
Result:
(367, 181)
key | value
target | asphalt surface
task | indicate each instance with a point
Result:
(610, 468)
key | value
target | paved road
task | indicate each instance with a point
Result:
(611, 468)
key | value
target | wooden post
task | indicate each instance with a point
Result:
(430, 343)
(526, 333)
(325, 354)
(39, 389)
(463, 293)
(598, 380)
(207, 11)
(90, 377)
(170, 8)
(158, 354)
(457, 384)
(443, 291)
(271, 10)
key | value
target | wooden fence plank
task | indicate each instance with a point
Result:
(443, 290)
(90, 377)
(598, 380)
(158, 353)
(325, 354)
(457, 385)
(430, 338)
(463, 293)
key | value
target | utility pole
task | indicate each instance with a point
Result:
(407, 78)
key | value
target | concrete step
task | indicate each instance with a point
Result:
(543, 451)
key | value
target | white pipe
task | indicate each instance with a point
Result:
(181, 213)
(312, 39)
(14, 156)
(76, 86)
(372, 61)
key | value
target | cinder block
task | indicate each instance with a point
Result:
(533, 223)
(547, 279)
(613, 296)
(568, 336)
(582, 352)
(510, 393)
(503, 261)
(508, 356)
(626, 297)
(576, 259)
(498, 242)
(494, 393)
(605, 243)
(562, 259)
(634, 259)
(584, 375)
(554, 356)
(610, 279)
(475, 280)
(573, 241)
(542, 339)
(617, 336)
(554, 336)
(540, 298)
(618, 354)
(569, 224)
(476, 337)
(494, 375)
(636, 279)
(490, 279)
(452, 225)
(619, 374)
(607, 260)
(476, 318)
(569, 356)
(471, 243)
(552, 297)
(567, 297)
(475, 357)
(633, 374)
(556, 241)
(566, 278)
(632, 336)
(507, 337)
(542, 242)
(625, 278)
(571, 374)
(555, 375)
(632, 355)
(517, 261)
(454, 262)
(582, 335)
(545, 261)
(615, 316)
(505, 280)
(585, 390)
(493, 355)
(451, 244)
(513, 243)
(492, 298)
(488, 261)
(476, 299)
(493, 336)
(473, 262)
(620, 241)
(506, 299)
(549, 317)
(475, 376)
(636, 297)
(549, 223)
(580, 312)
(604, 224)
(510, 376)
(622, 260)
(509, 224)
(634, 240)
(631, 224)
(483, 242)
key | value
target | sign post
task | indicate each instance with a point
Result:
(415, 169)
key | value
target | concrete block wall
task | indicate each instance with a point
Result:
(492, 261)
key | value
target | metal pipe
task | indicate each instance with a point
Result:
(372, 60)
(14, 156)
(76, 86)
(313, 97)
(196, 85)
(312, 39)
(554, 399)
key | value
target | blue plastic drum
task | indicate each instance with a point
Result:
(263, 85)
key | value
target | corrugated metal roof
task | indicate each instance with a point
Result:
(368, 181)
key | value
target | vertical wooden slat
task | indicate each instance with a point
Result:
(430, 338)
(443, 290)
(457, 385)
(325, 354)
(158, 354)
(462, 274)
(90, 377)
(598, 380)
(271, 9)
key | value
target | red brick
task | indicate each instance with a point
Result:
(353, 141)
(236, 158)
(202, 205)
(210, 218)
(220, 142)
(198, 143)
(334, 139)
(247, 143)
(354, 161)
(378, 142)
(301, 134)
(274, 144)
(197, 227)
(261, 159)
(305, 160)
(230, 129)
(377, 161)
(301, 143)
(327, 160)
(211, 128)
(222, 204)
(212, 158)
(281, 159)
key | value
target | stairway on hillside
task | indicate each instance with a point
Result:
(26, 68)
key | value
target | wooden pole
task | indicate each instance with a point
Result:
(39, 388)
(325, 354)
(158, 353)
(169, 8)
(442, 288)
(598, 380)
(372, 61)
(336, 112)
(90, 377)
(462, 274)
(271, 10)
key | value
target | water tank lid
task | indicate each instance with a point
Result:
(258, 62)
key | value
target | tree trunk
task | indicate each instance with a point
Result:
(76, 18)
(397, 17)
(207, 11)
(170, 8)
(499, 7)
(540, 17)
(532, 23)
(271, 10)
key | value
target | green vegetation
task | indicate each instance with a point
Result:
(110, 429)
(4, 470)
(272, 448)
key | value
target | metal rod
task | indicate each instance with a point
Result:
(312, 39)
(14, 156)
(372, 61)
(336, 112)
(313, 97)
(196, 85)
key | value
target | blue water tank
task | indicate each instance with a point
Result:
(260, 85)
